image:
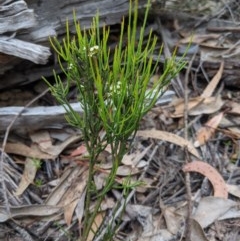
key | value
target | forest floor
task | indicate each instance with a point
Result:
(186, 152)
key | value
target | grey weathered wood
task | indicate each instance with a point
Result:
(13, 8)
(25, 50)
(27, 76)
(20, 20)
(34, 118)
(14, 17)
(25, 28)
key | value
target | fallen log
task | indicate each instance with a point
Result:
(25, 28)
(46, 117)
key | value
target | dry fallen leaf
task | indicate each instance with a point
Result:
(125, 171)
(179, 107)
(213, 83)
(64, 184)
(81, 150)
(134, 159)
(209, 105)
(72, 195)
(43, 140)
(96, 225)
(233, 212)
(23, 150)
(29, 173)
(198, 38)
(230, 127)
(212, 51)
(79, 210)
(27, 211)
(170, 137)
(210, 209)
(173, 220)
(197, 106)
(218, 183)
(69, 210)
(207, 131)
(234, 190)
(197, 233)
(234, 107)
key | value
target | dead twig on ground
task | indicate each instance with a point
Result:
(4, 190)
(188, 228)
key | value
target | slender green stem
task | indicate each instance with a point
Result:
(88, 197)
(110, 181)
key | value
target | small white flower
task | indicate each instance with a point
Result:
(94, 48)
(115, 88)
(118, 86)
(70, 66)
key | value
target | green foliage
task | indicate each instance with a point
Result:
(37, 163)
(114, 95)
(38, 182)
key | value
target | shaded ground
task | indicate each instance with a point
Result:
(47, 172)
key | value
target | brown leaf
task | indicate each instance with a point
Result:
(23, 150)
(178, 105)
(208, 106)
(79, 151)
(199, 38)
(234, 107)
(72, 195)
(69, 210)
(207, 131)
(133, 159)
(43, 139)
(64, 184)
(218, 183)
(213, 83)
(96, 225)
(30, 170)
(127, 170)
(170, 137)
(197, 106)
(27, 211)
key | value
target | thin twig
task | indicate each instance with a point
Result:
(188, 226)
(5, 143)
